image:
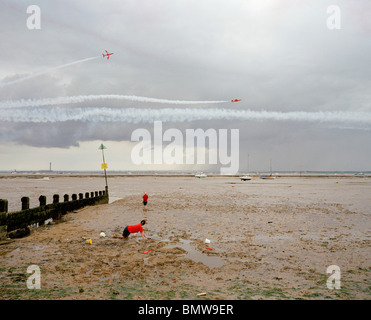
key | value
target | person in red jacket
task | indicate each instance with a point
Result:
(145, 199)
(133, 229)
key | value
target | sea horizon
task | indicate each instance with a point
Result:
(183, 172)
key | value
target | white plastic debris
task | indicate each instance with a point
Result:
(47, 221)
(102, 234)
(207, 240)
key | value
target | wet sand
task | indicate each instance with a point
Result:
(269, 239)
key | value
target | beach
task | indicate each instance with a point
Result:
(269, 239)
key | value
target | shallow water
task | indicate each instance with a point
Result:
(196, 256)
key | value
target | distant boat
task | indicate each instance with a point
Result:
(246, 176)
(270, 176)
(200, 175)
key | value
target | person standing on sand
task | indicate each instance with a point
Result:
(133, 229)
(145, 199)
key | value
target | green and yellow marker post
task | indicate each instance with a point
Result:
(104, 166)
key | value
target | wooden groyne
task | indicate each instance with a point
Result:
(18, 224)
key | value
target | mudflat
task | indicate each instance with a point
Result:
(269, 239)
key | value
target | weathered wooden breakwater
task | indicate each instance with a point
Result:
(17, 224)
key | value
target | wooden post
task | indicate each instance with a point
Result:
(3, 205)
(42, 200)
(56, 198)
(25, 203)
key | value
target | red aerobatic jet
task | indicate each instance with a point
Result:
(107, 54)
(236, 100)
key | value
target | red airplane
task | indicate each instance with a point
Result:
(236, 100)
(107, 54)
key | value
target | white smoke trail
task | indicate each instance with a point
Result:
(90, 98)
(36, 74)
(134, 115)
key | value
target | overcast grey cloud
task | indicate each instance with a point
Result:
(277, 56)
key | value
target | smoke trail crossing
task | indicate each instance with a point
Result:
(90, 98)
(36, 74)
(135, 115)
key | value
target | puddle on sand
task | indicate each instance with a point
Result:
(193, 254)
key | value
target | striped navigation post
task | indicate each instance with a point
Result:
(104, 166)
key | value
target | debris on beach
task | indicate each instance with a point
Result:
(147, 251)
(48, 221)
(207, 241)
(202, 294)
(102, 234)
(89, 241)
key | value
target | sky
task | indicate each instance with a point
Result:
(300, 67)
